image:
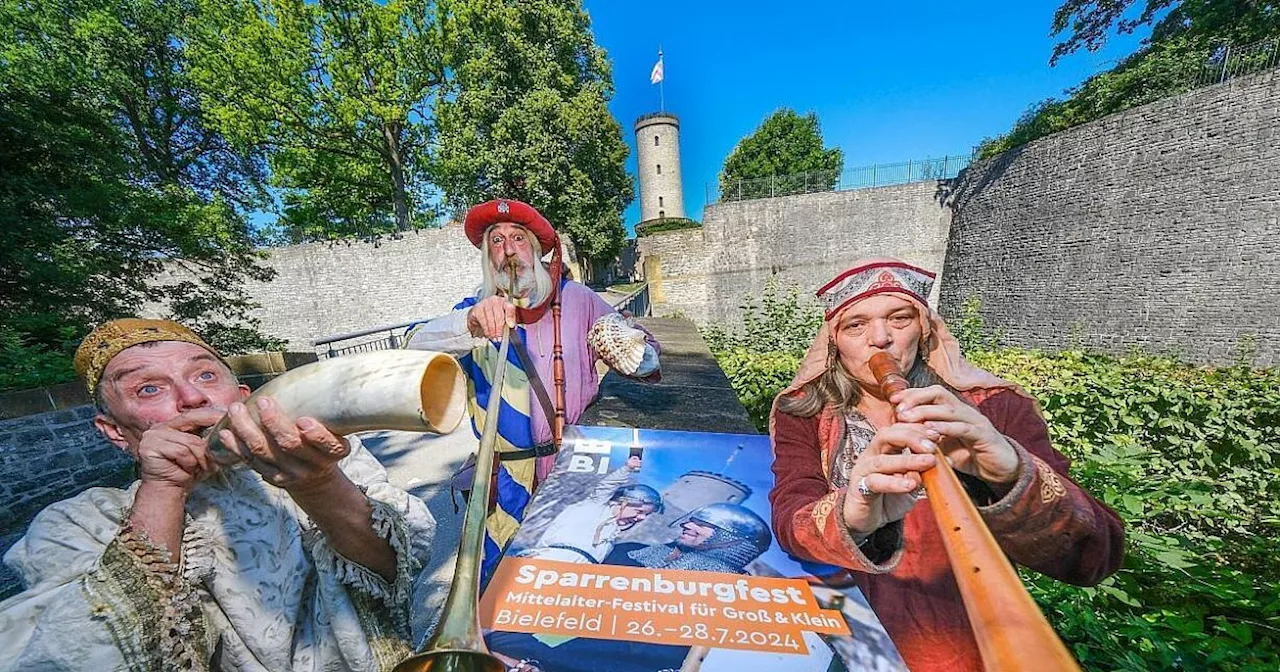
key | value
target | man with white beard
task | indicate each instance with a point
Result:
(514, 235)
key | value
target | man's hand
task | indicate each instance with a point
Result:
(889, 469)
(488, 318)
(969, 440)
(172, 459)
(300, 455)
(173, 455)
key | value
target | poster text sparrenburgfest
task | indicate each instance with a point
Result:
(645, 547)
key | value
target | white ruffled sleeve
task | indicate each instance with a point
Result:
(400, 518)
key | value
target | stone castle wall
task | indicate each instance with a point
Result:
(1158, 227)
(804, 240)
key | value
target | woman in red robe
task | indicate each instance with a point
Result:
(847, 473)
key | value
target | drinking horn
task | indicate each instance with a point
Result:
(406, 390)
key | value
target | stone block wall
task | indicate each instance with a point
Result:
(51, 456)
(321, 289)
(1157, 227)
(805, 240)
(330, 288)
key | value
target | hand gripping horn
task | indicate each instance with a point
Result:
(1011, 632)
(406, 390)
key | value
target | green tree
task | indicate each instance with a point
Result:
(785, 155)
(338, 92)
(1188, 44)
(108, 170)
(1087, 23)
(526, 116)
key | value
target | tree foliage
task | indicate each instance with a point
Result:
(1188, 457)
(137, 137)
(526, 117)
(1086, 24)
(1189, 38)
(784, 155)
(338, 93)
(109, 169)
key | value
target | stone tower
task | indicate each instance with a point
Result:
(658, 162)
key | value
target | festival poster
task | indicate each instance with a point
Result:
(647, 550)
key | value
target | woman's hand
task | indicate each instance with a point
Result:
(969, 440)
(885, 475)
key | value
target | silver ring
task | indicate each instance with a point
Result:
(863, 489)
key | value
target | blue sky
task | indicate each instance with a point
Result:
(889, 82)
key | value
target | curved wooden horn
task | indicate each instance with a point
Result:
(407, 390)
(1011, 632)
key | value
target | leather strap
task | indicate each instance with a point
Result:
(539, 390)
(540, 450)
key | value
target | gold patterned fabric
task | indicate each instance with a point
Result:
(110, 338)
(151, 610)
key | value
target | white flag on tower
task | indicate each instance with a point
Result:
(656, 75)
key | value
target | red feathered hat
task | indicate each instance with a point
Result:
(481, 217)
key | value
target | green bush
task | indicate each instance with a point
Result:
(653, 226)
(762, 354)
(24, 365)
(1187, 456)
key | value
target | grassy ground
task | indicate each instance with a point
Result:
(627, 288)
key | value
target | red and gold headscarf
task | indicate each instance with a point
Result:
(878, 275)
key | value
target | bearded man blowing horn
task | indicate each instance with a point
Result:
(519, 291)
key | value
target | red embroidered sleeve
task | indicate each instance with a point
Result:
(807, 514)
(1047, 522)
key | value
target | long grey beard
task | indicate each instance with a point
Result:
(525, 283)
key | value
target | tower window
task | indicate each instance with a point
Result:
(659, 201)
(662, 215)
(655, 141)
(659, 168)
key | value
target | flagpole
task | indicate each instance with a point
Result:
(662, 99)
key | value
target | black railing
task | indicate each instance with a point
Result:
(862, 177)
(636, 303)
(385, 337)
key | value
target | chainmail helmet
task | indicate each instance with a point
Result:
(734, 524)
(638, 494)
(740, 536)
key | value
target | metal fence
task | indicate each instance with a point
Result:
(391, 336)
(385, 337)
(1229, 61)
(863, 177)
(636, 303)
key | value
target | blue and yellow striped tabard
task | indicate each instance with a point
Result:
(515, 433)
